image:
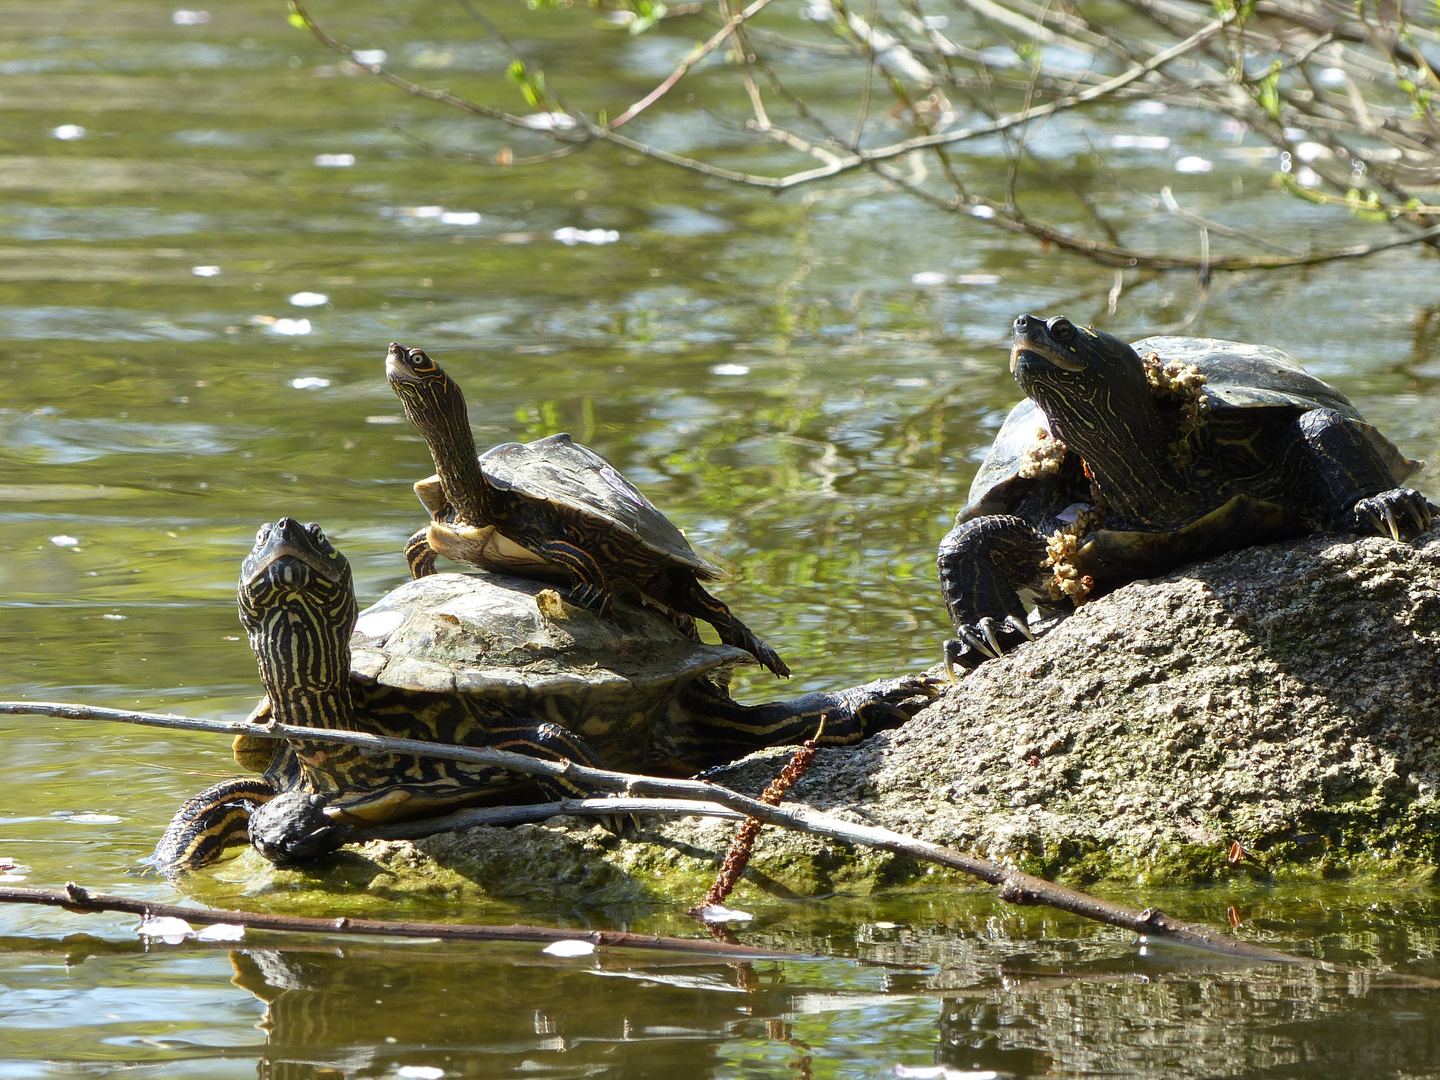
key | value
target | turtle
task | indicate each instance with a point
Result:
(552, 508)
(1127, 460)
(478, 660)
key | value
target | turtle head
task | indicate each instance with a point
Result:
(1093, 390)
(435, 405)
(432, 399)
(297, 604)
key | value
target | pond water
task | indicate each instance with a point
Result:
(766, 369)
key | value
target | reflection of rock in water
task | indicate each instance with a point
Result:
(975, 1037)
(1099, 1006)
(490, 1013)
(1020, 992)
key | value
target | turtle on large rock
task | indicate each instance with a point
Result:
(1127, 460)
(472, 660)
(551, 508)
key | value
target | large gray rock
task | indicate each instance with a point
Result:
(1285, 697)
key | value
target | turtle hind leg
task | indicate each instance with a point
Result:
(1357, 486)
(684, 593)
(983, 564)
(590, 589)
(706, 727)
(419, 555)
(208, 823)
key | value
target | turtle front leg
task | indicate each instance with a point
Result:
(551, 742)
(984, 563)
(210, 822)
(293, 828)
(590, 589)
(706, 727)
(1358, 487)
(419, 555)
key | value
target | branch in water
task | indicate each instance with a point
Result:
(75, 898)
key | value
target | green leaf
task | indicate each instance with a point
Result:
(1366, 207)
(647, 15)
(297, 20)
(1267, 92)
(1288, 182)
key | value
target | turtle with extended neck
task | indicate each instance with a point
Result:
(551, 508)
(1126, 461)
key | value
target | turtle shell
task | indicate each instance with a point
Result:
(1238, 375)
(561, 472)
(516, 643)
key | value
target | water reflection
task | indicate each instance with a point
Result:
(1084, 1004)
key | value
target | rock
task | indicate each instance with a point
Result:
(1286, 698)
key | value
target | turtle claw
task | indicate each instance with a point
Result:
(988, 630)
(770, 660)
(1392, 513)
(590, 597)
(951, 651)
(1421, 515)
(983, 640)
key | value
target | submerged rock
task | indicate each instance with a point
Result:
(1286, 698)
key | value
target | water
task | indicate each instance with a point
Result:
(765, 369)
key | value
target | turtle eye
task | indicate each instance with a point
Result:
(1061, 329)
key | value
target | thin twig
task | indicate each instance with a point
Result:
(1025, 116)
(690, 61)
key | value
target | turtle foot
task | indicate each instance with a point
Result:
(888, 703)
(293, 828)
(984, 640)
(1394, 513)
(590, 597)
(770, 659)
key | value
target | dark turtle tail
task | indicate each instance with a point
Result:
(208, 823)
